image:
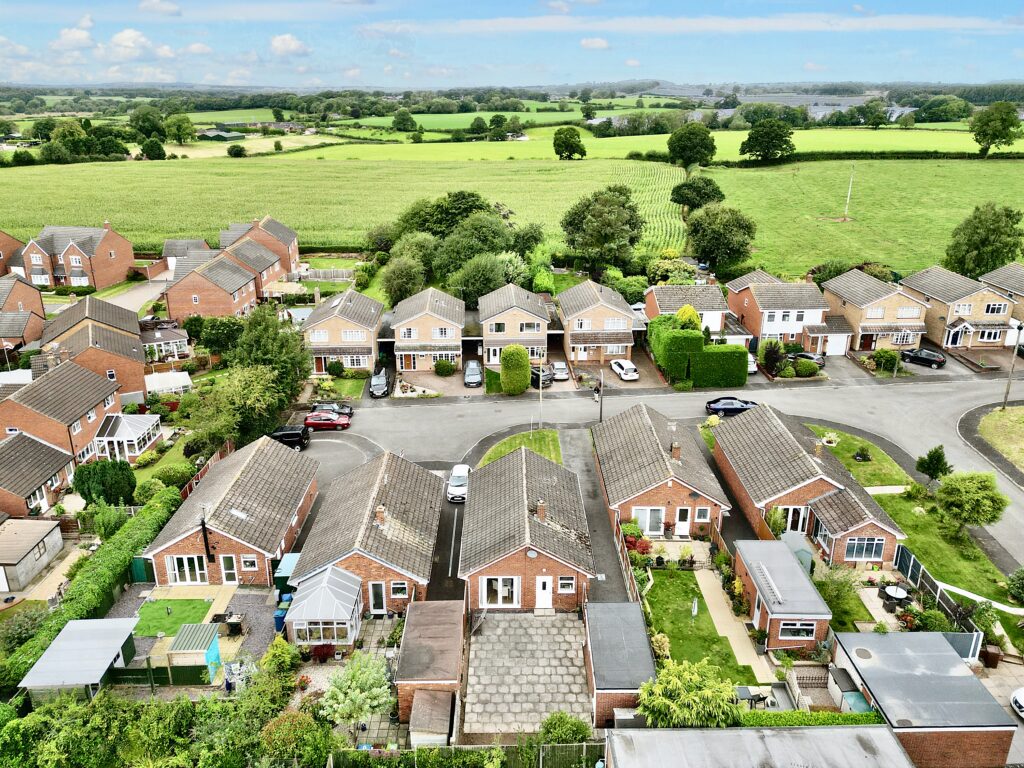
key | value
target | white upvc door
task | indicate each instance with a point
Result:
(683, 521)
(757, 611)
(579, 354)
(187, 569)
(650, 519)
(545, 585)
(377, 604)
(493, 355)
(228, 569)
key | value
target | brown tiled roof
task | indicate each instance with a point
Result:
(588, 294)
(703, 298)
(776, 296)
(600, 337)
(511, 296)
(833, 324)
(434, 302)
(351, 305)
(751, 278)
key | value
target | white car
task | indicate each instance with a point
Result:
(1017, 701)
(458, 484)
(560, 370)
(751, 363)
(625, 370)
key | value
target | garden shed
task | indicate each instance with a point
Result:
(196, 645)
(26, 548)
(617, 656)
(431, 718)
(431, 657)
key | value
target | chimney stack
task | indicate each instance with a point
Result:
(106, 224)
(542, 510)
(676, 450)
(256, 222)
(817, 449)
(808, 278)
(380, 515)
(316, 294)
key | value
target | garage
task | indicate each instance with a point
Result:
(831, 338)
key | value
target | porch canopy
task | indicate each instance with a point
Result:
(122, 435)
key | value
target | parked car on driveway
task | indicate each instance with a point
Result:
(560, 370)
(728, 406)
(344, 409)
(458, 484)
(751, 363)
(380, 384)
(295, 436)
(625, 370)
(818, 360)
(1017, 701)
(923, 357)
(541, 376)
(318, 420)
(473, 374)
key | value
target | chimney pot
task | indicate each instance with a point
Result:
(106, 224)
(808, 278)
(542, 510)
(316, 294)
(380, 515)
(676, 450)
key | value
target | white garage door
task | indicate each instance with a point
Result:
(836, 344)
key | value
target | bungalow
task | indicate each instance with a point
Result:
(514, 315)
(709, 303)
(379, 524)
(269, 233)
(344, 328)
(428, 327)
(215, 288)
(174, 250)
(772, 461)
(961, 312)
(95, 256)
(598, 323)
(879, 314)
(783, 600)
(525, 539)
(774, 310)
(1008, 280)
(10, 247)
(33, 475)
(654, 474)
(617, 656)
(26, 548)
(21, 311)
(247, 512)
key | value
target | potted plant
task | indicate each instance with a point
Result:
(302, 683)
(670, 528)
(760, 638)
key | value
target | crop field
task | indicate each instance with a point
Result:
(232, 116)
(464, 119)
(253, 145)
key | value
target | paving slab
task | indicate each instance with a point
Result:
(731, 627)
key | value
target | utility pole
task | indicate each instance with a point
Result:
(1013, 363)
(540, 386)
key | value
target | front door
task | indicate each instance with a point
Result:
(953, 338)
(228, 569)
(683, 521)
(757, 612)
(544, 587)
(579, 354)
(867, 342)
(493, 355)
(795, 521)
(377, 606)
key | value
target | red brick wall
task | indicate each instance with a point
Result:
(33, 331)
(14, 414)
(528, 569)
(871, 531)
(18, 507)
(8, 245)
(274, 272)
(651, 306)
(105, 270)
(606, 703)
(369, 570)
(24, 298)
(407, 690)
(957, 749)
(749, 314)
(213, 301)
(131, 374)
(46, 264)
(678, 495)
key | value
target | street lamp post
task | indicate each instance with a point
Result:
(1013, 363)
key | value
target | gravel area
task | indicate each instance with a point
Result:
(127, 606)
(257, 605)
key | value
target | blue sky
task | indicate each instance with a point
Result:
(434, 43)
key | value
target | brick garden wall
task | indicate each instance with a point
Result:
(957, 749)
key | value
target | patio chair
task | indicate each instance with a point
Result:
(881, 592)
(757, 698)
(889, 605)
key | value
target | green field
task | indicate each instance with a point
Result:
(543, 442)
(464, 119)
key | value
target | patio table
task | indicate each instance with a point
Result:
(896, 593)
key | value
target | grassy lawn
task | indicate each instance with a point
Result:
(1004, 431)
(492, 382)
(329, 262)
(153, 617)
(24, 605)
(565, 281)
(173, 456)
(349, 387)
(881, 470)
(117, 289)
(375, 290)
(845, 614)
(540, 441)
(671, 599)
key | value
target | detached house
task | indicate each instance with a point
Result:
(10, 247)
(271, 234)
(654, 474)
(525, 539)
(790, 313)
(772, 461)
(961, 312)
(428, 327)
(33, 474)
(1008, 280)
(95, 256)
(880, 315)
(709, 303)
(344, 327)
(215, 288)
(21, 311)
(260, 261)
(514, 315)
(246, 512)
(598, 323)
(177, 250)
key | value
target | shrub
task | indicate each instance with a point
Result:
(20, 626)
(760, 718)
(805, 369)
(720, 365)
(130, 408)
(863, 453)
(773, 357)
(444, 368)
(515, 369)
(683, 386)
(278, 146)
(204, 442)
(176, 475)
(885, 359)
(632, 529)
(562, 728)
(336, 368)
(146, 458)
(189, 367)
(776, 521)
(237, 150)
(323, 652)
(1015, 585)
(296, 736)
(933, 620)
(152, 149)
(661, 645)
(916, 492)
(147, 489)
(787, 373)
(105, 481)
(544, 281)
(109, 521)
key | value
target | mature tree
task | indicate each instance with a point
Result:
(296, 736)
(586, 94)
(720, 237)
(589, 111)
(515, 369)
(148, 121)
(439, 217)
(193, 326)
(362, 688)
(55, 152)
(692, 144)
(403, 277)
(180, 129)
(515, 126)
(988, 238)
(997, 125)
(68, 132)
(769, 139)
(266, 341)
(112, 482)
(152, 149)
(279, 114)
(568, 144)
(109, 145)
(478, 126)
(421, 246)
(526, 238)
(829, 269)
(43, 128)
(562, 728)
(237, 150)
(933, 464)
(7, 127)
(696, 192)
(478, 276)
(906, 121)
(688, 317)
(603, 227)
(245, 404)
(689, 695)
(403, 121)
(970, 498)
(220, 334)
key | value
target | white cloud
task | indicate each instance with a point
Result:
(389, 68)
(163, 7)
(440, 71)
(129, 45)
(594, 43)
(140, 74)
(197, 49)
(352, 73)
(632, 62)
(72, 39)
(85, 22)
(164, 52)
(288, 45)
(302, 69)
(813, 66)
(238, 76)
(858, 8)
(9, 47)
(397, 53)
(558, 6)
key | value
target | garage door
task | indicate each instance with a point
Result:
(837, 344)
(3, 580)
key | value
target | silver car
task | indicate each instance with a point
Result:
(458, 484)
(560, 369)
(473, 374)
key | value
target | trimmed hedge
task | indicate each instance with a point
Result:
(797, 718)
(810, 157)
(683, 357)
(91, 593)
(720, 365)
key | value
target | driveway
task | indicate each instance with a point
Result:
(952, 369)
(137, 297)
(843, 370)
(445, 583)
(649, 376)
(448, 386)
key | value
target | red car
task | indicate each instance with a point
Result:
(327, 420)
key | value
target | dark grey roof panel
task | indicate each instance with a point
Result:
(620, 651)
(93, 309)
(511, 296)
(65, 393)
(758, 276)
(776, 296)
(352, 305)
(27, 463)
(589, 294)
(860, 288)
(939, 283)
(703, 298)
(434, 302)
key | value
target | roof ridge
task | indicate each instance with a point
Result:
(238, 474)
(526, 495)
(667, 457)
(386, 458)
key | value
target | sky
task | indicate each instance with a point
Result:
(442, 44)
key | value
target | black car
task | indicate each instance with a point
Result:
(818, 360)
(380, 384)
(1020, 350)
(295, 436)
(343, 408)
(728, 406)
(923, 357)
(541, 376)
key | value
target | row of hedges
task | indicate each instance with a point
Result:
(91, 593)
(720, 365)
(657, 156)
(796, 718)
(682, 355)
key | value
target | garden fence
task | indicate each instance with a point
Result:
(472, 756)
(327, 274)
(624, 565)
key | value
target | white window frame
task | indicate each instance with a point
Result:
(113, 255)
(800, 316)
(318, 335)
(451, 357)
(13, 430)
(797, 630)
(37, 258)
(785, 316)
(353, 335)
(616, 324)
(442, 332)
(533, 327)
(408, 333)
(702, 515)
(195, 298)
(513, 602)
(108, 401)
(964, 308)
(875, 313)
(566, 585)
(253, 559)
(769, 317)
(234, 296)
(112, 374)
(908, 313)
(76, 427)
(997, 308)
(333, 632)
(76, 261)
(876, 543)
(989, 334)
(496, 328)
(354, 361)
(399, 590)
(91, 415)
(657, 530)
(821, 535)
(902, 338)
(615, 349)
(581, 324)
(536, 352)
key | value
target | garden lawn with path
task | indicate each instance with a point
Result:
(671, 601)
(1004, 431)
(846, 613)
(154, 616)
(175, 455)
(881, 470)
(331, 262)
(541, 441)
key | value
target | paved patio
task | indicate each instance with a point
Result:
(1001, 682)
(522, 668)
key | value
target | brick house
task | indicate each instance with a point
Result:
(378, 523)
(270, 233)
(514, 315)
(427, 328)
(929, 696)
(962, 313)
(653, 473)
(10, 247)
(260, 261)
(432, 652)
(1008, 280)
(178, 250)
(770, 461)
(709, 303)
(243, 516)
(525, 539)
(344, 327)
(880, 315)
(21, 311)
(598, 323)
(96, 256)
(215, 288)
(783, 600)
(617, 656)
(33, 475)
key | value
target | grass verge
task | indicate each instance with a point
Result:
(349, 387)
(1004, 431)
(881, 470)
(492, 382)
(540, 441)
(154, 617)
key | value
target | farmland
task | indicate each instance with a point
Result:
(463, 119)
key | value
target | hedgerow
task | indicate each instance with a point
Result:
(720, 365)
(796, 718)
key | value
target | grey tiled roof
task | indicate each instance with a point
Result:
(12, 324)
(27, 463)
(225, 274)
(93, 309)
(65, 393)
(703, 298)
(511, 296)
(858, 287)
(7, 283)
(589, 294)
(634, 450)
(179, 248)
(252, 254)
(283, 234)
(162, 335)
(751, 278)
(788, 296)
(833, 324)
(911, 326)
(232, 233)
(435, 302)
(190, 261)
(601, 337)
(347, 520)
(351, 305)
(54, 239)
(1009, 277)
(939, 283)
(250, 495)
(101, 337)
(6, 390)
(501, 513)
